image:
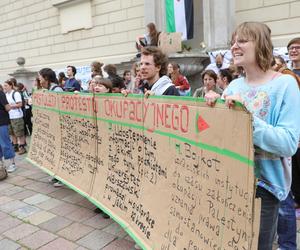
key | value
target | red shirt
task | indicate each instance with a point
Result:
(182, 82)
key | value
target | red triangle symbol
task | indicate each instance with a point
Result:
(202, 124)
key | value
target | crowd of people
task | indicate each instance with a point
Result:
(261, 82)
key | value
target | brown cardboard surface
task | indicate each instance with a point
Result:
(79, 141)
(45, 144)
(170, 42)
(174, 173)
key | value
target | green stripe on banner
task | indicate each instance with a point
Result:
(221, 151)
(170, 17)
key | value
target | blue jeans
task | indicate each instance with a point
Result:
(287, 225)
(6, 148)
(268, 218)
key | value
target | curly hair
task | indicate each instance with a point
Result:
(159, 58)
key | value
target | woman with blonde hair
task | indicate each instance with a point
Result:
(273, 100)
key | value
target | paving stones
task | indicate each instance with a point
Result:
(116, 230)
(8, 223)
(49, 204)
(38, 239)
(97, 222)
(120, 244)
(20, 231)
(56, 224)
(60, 244)
(5, 199)
(7, 244)
(96, 240)
(12, 205)
(23, 195)
(75, 231)
(36, 199)
(39, 217)
(24, 212)
(64, 209)
(80, 214)
(11, 191)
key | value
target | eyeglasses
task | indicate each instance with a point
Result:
(294, 48)
(239, 42)
(146, 64)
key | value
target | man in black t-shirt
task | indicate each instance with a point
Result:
(6, 149)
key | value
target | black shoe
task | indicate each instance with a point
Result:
(105, 216)
(16, 147)
(97, 210)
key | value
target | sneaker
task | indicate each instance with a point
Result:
(58, 184)
(22, 151)
(11, 168)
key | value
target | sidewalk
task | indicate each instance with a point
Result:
(36, 215)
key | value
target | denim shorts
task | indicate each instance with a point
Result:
(6, 148)
(16, 127)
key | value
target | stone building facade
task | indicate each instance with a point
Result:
(56, 33)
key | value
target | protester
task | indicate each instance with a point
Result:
(154, 70)
(47, 79)
(16, 127)
(294, 55)
(62, 79)
(287, 225)
(117, 81)
(178, 79)
(27, 110)
(100, 85)
(273, 99)
(127, 78)
(209, 79)
(137, 78)
(96, 69)
(218, 64)
(149, 39)
(14, 82)
(224, 78)
(6, 149)
(36, 84)
(278, 64)
(71, 84)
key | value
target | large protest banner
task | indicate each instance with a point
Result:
(174, 173)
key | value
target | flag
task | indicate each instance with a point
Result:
(180, 17)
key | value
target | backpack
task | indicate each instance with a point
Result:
(22, 96)
(3, 173)
(53, 88)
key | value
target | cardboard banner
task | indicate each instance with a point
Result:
(170, 42)
(174, 173)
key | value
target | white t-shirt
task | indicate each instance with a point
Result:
(14, 113)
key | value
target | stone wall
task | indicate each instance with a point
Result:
(31, 29)
(282, 16)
